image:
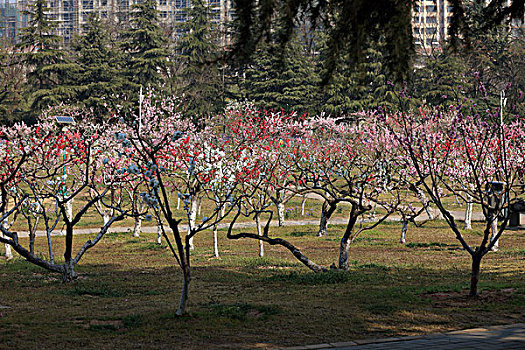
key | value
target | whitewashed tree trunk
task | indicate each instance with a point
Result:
(468, 214)
(8, 252)
(106, 217)
(280, 213)
(178, 202)
(193, 218)
(303, 202)
(199, 206)
(215, 242)
(137, 229)
(323, 225)
(494, 232)
(423, 200)
(69, 209)
(259, 232)
(344, 254)
(159, 233)
(404, 232)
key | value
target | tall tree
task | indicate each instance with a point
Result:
(354, 89)
(146, 45)
(45, 62)
(282, 79)
(11, 87)
(198, 79)
(440, 78)
(98, 76)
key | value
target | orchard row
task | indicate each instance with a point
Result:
(244, 161)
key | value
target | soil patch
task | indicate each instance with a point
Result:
(461, 299)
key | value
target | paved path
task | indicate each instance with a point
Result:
(509, 337)
(458, 215)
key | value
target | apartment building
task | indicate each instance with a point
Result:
(71, 15)
(430, 22)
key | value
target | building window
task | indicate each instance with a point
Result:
(416, 8)
(431, 19)
(416, 30)
(430, 8)
(163, 2)
(87, 4)
(431, 30)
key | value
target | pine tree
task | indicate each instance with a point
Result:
(356, 87)
(98, 77)
(198, 78)
(440, 78)
(11, 88)
(147, 62)
(46, 63)
(282, 79)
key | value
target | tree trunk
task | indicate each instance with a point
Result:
(8, 252)
(69, 209)
(137, 229)
(468, 214)
(193, 218)
(494, 232)
(50, 247)
(159, 233)
(344, 254)
(474, 278)
(280, 213)
(69, 274)
(185, 290)
(303, 202)
(199, 206)
(31, 239)
(106, 217)
(323, 224)
(426, 205)
(178, 203)
(326, 212)
(215, 242)
(404, 232)
(259, 233)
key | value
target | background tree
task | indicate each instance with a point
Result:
(440, 78)
(98, 76)
(145, 44)
(11, 87)
(354, 89)
(197, 79)
(47, 67)
(282, 78)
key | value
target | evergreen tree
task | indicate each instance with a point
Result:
(146, 47)
(11, 88)
(356, 87)
(97, 77)
(282, 79)
(496, 59)
(46, 64)
(198, 80)
(440, 78)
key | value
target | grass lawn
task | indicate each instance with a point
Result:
(128, 289)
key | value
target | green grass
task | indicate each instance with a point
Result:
(128, 289)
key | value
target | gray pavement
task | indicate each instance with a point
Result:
(459, 215)
(508, 337)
